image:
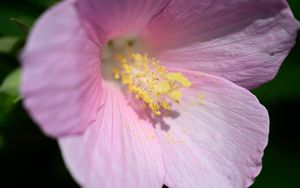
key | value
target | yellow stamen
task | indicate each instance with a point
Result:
(150, 81)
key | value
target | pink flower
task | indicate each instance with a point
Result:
(176, 111)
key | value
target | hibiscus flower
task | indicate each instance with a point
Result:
(142, 93)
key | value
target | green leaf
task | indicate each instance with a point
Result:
(9, 93)
(7, 103)
(8, 44)
(10, 85)
(21, 24)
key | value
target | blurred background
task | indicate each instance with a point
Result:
(29, 159)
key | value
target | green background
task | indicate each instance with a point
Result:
(29, 159)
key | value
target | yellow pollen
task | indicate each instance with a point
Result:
(149, 81)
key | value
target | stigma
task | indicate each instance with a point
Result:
(149, 81)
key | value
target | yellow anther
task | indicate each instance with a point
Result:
(127, 68)
(155, 108)
(116, 73)
(163, 87)
(139, 75)
(175, 76)
(175, 95)
(165, 105)
(201, 98)
(149, 81)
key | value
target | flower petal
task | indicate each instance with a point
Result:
(215, 137)
(242, 41)
(108, 19)
(118, 150)
(61, 82)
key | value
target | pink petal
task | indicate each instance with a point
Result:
(118, 150)
(215, 137)
(61, 82)
(108, 19)
(242, 41)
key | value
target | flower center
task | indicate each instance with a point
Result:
(149, 81)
